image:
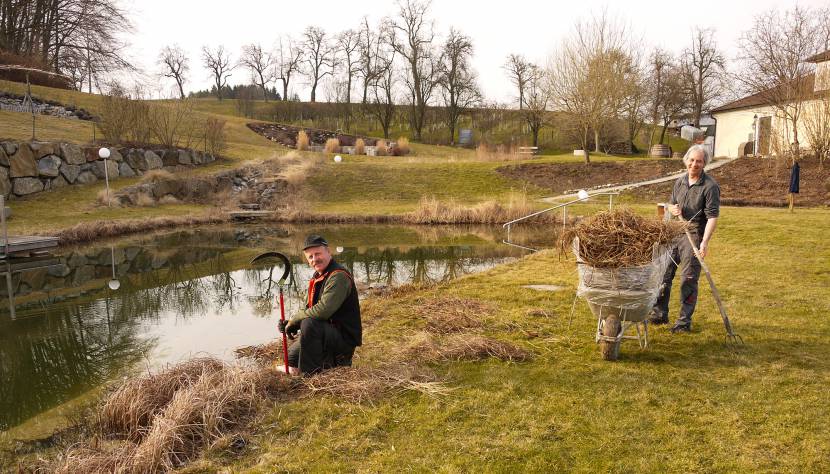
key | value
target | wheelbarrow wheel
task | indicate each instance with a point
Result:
(610, 350)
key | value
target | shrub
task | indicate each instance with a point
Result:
(215, 136)
(359, 147)
(332, 145)
(173, 124)
(124, 119)
(381, 149)
(403, 145)
(302, 140)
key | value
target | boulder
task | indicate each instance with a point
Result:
(153, 160)
(9, 147)
(125, 171)
(49, 166)
(4, 157)
(86, 177)
(163, 187)
(41, 149)
(116, 156)
(59, 182)
(72, 154)
(24, 186)
(184, 157)
(59, 271)
(136, 159)
(22, 164)
(70, 172)
(5, 182)
(169, 157)
(111, 168)
(91, 154)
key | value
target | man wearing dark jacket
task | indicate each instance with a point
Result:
(329, 326)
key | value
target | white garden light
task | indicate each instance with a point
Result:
(582, 194)
(339, 249)
(104, 153)
(338, 158)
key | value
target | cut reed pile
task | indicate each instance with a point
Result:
(365, 384)
(619, 238)
(426, 347)
(449, 314)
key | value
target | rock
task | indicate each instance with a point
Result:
(47, 183)
(22, 164)
(184, 157)
(70, 172)
(136, 159)
(125, 171)
(76, 260)
(4, 157)
(9, 147)
(35, 278)
(116, 156)
(164, 187)
(208, 158)
(86, 177)
(197, 157)
(111, 168)
(153, 160)
(49, 166)
(41, 149)
(91, 154)
(24, 186)
(83, 274)
(60, 270)
(5, 182)
(59, 182)
(72, 154)
(168, 157)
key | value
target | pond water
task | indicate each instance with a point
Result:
(93, 313)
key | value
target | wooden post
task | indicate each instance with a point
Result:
(3, 224)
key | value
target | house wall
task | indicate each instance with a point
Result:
(736, 127)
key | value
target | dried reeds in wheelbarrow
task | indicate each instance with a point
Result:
(619, 238)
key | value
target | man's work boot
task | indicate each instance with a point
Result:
(657, 318)
(680, 328)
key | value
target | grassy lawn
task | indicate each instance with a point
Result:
(691, 403)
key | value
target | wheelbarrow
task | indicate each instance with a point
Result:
(621, 299)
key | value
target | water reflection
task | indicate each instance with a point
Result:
(96, 312)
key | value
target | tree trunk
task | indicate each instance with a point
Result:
(284, 90)
(585, 146)
(535, 131)
(663, 132)
(596, 141)
(181, 89)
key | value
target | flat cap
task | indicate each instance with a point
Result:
(314, 241)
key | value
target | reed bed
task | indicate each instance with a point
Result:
(87, 231)
(619, 238)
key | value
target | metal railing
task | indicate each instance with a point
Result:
(564, 207)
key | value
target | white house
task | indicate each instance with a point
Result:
(739, 122)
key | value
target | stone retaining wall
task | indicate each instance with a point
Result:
(32, 167)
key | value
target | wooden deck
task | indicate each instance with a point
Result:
(23, 244)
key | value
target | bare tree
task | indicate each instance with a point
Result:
(320, 57)
(348, 44)
(588, 76)
(518, 70)
(381, 105)
(290, 61)
(219, 63)
(260, 62)
(658, 64)
(703, 69)
(772, 54)
(412, 38)
(674, 100)
(536, 102)
(175, 65)
(457, 78)
(368, 50)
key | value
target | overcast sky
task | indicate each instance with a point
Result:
(532, 28)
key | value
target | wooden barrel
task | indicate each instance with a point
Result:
(660, 150)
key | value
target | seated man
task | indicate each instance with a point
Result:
(330, 326)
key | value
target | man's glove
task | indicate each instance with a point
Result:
(281, 324)
(292, 328)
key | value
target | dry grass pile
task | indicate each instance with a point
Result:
(332, 145)
(619, 238)
(426, 347)
(263, 354)
(170, 417)
(433, 211)
(302, 141)
(365, 384)
(450, 314)
(88, 231)
(401, 147)
(381, 149)
(359, 147)
(485, 152)
(130, 409)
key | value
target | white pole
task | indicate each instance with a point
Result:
(757, 130)
(3, 221)
(107, 179)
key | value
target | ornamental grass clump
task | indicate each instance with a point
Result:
(302, 141)
(619, 238)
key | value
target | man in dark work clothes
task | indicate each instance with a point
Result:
(696, 198)
(329, 326)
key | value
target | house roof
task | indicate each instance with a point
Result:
(759, 99)
(819, 58)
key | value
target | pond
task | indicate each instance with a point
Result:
(91, 314)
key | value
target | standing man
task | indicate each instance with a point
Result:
(329, 326)
(695, 198)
